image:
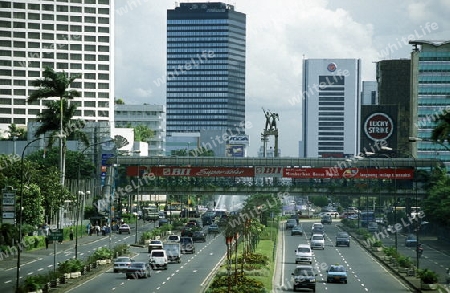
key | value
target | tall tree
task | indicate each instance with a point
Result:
(55, 85)
(142, 133)
(17, 132)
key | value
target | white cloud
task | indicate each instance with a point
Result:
(278, 35)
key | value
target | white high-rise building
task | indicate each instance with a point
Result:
(75, 36)
(331, 107)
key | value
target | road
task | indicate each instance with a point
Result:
(365, 274)
(189, 276)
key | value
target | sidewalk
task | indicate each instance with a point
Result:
(10, 261)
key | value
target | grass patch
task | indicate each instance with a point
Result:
(265, 247)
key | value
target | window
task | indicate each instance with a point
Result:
(15, 24)
(103, 67)
(34, 16)
(103, 29)
(89, 19)
(64, 56)
(48, 17)
(5, 44)
(75, 47)
(75, 66)
(62, 27)
(47, 7)
(103, 58)
(103, 76)
(103, 39)
(89, 104)
(75, 28)
(48, 26)
(103, 48)
(19, 102)
(19, 15)
(33, 73)
(90, 10)
(75, 9)
(5, 101)
(19, 44)
(75, 19)
(103, 11)
(89, 29)
(62, 8)
(32, 35)
(62, 65)
(19, 111)
(75, 56)
(103, 20)
(90, 48)
(89, 57)
(88, 66)
(35, 26)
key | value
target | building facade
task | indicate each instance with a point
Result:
(369, 93)
(152, 116)
(205, 67)
(331, 107)
(75, 37)
(393, 78)
(430, 91)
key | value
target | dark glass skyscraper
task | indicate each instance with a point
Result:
(205, 67)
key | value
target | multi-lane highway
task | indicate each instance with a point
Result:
(188, 276)
(365, 274)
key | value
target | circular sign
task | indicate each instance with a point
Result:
(378, 126)
(331, 67)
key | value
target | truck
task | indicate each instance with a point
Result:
(173, 251)
(150, 213)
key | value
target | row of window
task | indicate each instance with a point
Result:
(59, 27)
(196, 95)
(171, 28)
(17, 101)
(174, 101)
(331, 108)
(331, 128)
(204, 34)
(59, 17)
(172, 84)
(331, 133)
(51, 36)
(40, 65)
(193, 51)
(196, 21)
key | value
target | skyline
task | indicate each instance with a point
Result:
(279, 36)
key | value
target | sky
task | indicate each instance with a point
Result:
(279, 35)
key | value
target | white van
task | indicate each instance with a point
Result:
(317, 241)
(303, 253)
(158, 259)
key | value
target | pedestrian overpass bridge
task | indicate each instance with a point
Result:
(298, 176)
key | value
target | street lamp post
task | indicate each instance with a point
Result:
(395, 190)
(19, 248)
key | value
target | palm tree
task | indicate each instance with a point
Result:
(441, 132)
(55, 85)
(15, 132)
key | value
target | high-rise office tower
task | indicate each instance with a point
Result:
(331, 107)
(205, 67)
(430, 78)
(72, 36)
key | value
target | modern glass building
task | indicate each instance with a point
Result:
(430, 90)
(331, 108)
(205, 67)
(75, 36)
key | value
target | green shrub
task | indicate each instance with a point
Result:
(404, 261)
(70, 266)
(254, 258)
(428, 276)
(102, 253)
(377, 243)
(391, 251)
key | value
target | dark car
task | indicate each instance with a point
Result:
(207, 220)
(187, 245)
(411, 240)
(138, 270)
(342, 238)
(291, 223)
(297, 230)
(326, 219)
(336, 273)
(187, 231)
(199, 236)
(213, 229)
(304, 277)
(162, 222)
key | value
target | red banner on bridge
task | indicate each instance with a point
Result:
(357, 173)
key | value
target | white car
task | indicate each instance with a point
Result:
(158, 259)
(122, 263)
(124, 228)
(173, 238)
(317, 225)
(317, 241)
(303, 253)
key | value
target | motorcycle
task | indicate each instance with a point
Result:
(419, 249)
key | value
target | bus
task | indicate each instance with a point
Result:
(367, 217)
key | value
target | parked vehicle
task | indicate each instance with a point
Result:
(372, 227)
(158, 259)
(173, 251)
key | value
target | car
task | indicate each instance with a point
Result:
(187, 231)
(155, 244)
(173, 238)
(337, 273)
(124, 228)
(342, 238)
(162, 222)
(138, 270)
(121, 264)
(187, 245)
(158, 259)
(304, 277)
(318, 230)
(213, 229)
(372, 227)
(317, 225)
(326, 219)
(297, 230)
(411, 240)
(303, 253)
(291, 223)
(199, 236)
(317, 241)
